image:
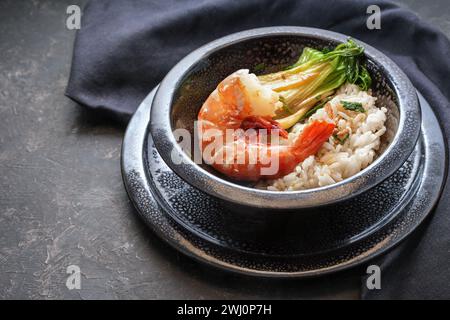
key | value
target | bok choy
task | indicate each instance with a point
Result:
(314, 77)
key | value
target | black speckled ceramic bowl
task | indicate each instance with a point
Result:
(188, 84)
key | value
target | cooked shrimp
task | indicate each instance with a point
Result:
(240, 102)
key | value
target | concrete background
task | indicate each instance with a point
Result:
(62, 200)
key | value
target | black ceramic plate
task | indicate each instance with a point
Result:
(358, 229)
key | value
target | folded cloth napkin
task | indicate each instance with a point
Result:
(124, 48)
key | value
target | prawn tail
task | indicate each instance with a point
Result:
(312, 138)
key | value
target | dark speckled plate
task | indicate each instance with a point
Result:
(350, 233)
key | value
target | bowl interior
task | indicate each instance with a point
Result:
(264, 55)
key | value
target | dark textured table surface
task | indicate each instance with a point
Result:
(62, 201)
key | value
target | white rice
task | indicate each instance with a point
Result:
(335, 161)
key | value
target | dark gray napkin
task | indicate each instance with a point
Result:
(124, 48)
